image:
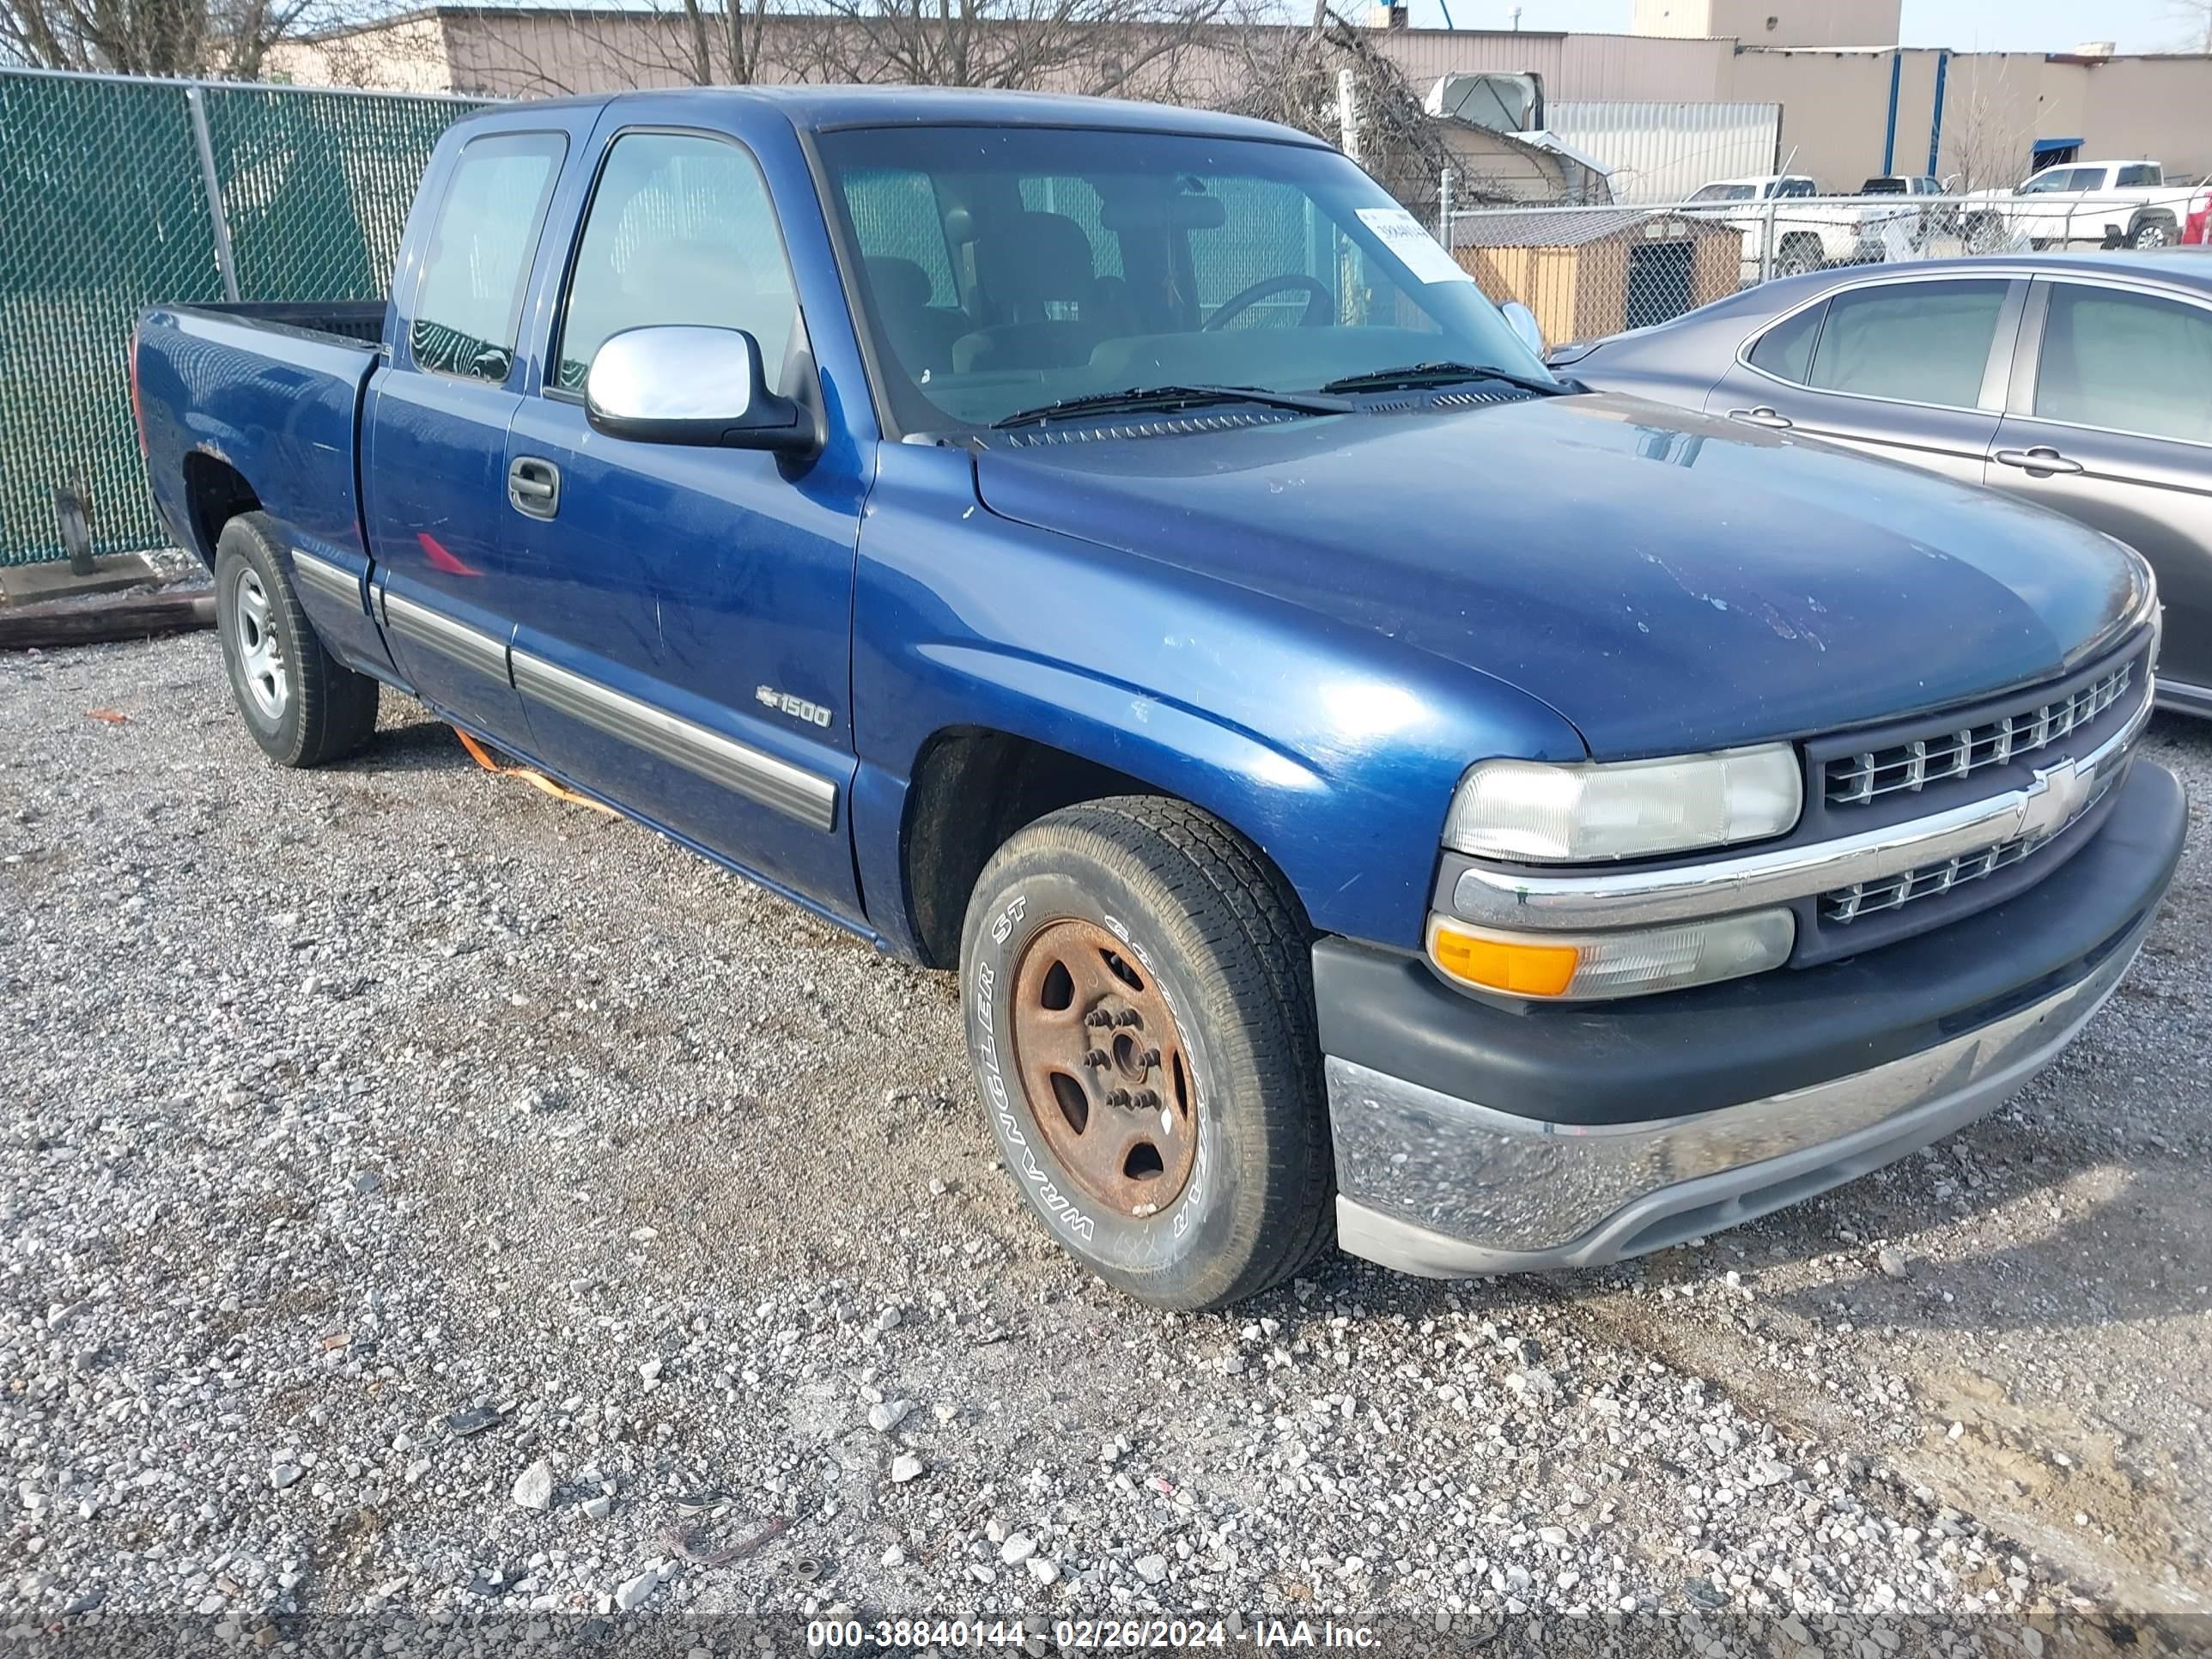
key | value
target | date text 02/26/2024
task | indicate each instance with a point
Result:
(1125, 1635)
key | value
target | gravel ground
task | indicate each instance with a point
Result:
(423, 1201)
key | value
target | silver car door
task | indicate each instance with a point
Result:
(1910, 369)
(2109, 421)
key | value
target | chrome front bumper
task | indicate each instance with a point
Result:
(1446, 1187)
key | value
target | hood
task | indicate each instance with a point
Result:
(1666, 581)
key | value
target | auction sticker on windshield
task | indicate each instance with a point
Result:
(1418, 250)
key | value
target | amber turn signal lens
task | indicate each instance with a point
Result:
(1508, 965)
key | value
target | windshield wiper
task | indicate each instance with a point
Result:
(1420, 374)
(1174, 397)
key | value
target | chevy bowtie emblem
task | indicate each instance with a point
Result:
(2055, 798)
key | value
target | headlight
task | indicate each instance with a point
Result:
(1531, 812)
(1636, 962)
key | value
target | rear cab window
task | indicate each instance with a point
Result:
(476, 268)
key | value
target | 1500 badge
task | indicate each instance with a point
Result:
(797, 707)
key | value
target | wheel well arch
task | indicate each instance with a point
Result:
(972, 788)
(216, 492)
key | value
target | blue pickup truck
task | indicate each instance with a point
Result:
(1370, 790)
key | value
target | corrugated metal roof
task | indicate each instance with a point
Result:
(1570, 227)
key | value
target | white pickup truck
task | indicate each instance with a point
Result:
(2101, 202)
(1807, 230)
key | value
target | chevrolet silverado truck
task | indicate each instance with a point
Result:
(1789, 227)
(1369, 789)
(2099, 203)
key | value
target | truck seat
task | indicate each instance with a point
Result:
(1047, 307)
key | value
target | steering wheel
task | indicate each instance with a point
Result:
(1319, 300)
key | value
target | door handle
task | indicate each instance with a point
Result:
(2041, 461)
(1762, 416)
(534, 487)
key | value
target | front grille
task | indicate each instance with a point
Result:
(1867, 898)
(1854, 780)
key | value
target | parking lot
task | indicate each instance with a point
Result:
(340, 1105)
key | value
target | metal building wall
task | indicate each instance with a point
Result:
(1662, 152)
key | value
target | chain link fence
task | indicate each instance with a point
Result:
(116, 194)
(1590, 271)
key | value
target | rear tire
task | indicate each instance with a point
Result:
(2152, 233)
(1138, 927)
(302, 705)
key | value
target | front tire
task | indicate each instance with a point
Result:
(1138, 1000)
(1799, 258)
(302, 705)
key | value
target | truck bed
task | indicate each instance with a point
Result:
(361, 321)
(271, 393)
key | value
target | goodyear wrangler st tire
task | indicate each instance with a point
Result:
(303, 706)
(1139, 1002)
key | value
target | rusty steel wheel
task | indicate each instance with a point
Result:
(1138, 987)
(1098, 1053)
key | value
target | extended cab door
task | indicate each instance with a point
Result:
(434, 424)
(1912, 370)
(2110, 421)
(685, 613)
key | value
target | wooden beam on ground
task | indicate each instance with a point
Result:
(41, 627)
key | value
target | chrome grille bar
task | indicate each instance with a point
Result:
(1854, 780)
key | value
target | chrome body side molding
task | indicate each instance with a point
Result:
(456, 643)
(753, 773)
(332, 581)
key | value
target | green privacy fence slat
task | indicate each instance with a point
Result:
(104, 211)
(317, 185)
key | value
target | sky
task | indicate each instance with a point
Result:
(1970, 25)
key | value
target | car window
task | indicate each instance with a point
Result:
(2053, 179)
(2132, 362)
(1726, 193)
(1797, 187)
(1785, 350)
(680, 230)
(1090, 262)
(896, 217)
(468, 307)
(2141, 174)
(1922, 343)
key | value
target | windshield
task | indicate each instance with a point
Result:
(1727, 193)
(1006, 268)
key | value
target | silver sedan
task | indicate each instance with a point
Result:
(2081, 382)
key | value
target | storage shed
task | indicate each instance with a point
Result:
(1591, 271)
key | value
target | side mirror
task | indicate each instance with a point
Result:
(1522, 321)
(681, 384)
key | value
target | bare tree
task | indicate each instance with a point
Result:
(1292, 74)
(2194, 17)
(639, 43)
(1985, 141)
(1132, 48)
(228, 38)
